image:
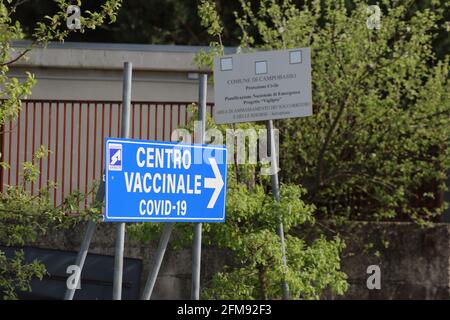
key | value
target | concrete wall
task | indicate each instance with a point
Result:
(93, 71)
(414, 261)
(174, 281)
(414, 265)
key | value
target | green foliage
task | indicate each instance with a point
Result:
(210, 20)
(250, 234)
(253, 216)
(25, 216)
(311, 270)
(54, 26)
(378, 140)
(15, 274)
(177, 22)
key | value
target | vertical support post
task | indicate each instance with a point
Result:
(200, 138)
(84, 248)
(125, 133)
(118, 261)
(159, 255)
(276, 195)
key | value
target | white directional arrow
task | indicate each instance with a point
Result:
(215, 183)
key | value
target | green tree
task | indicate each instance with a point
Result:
(250, 231)
(374, 148)
(253, 216)
(250, 235)
(377, 145)
(142, 21)
(24, 216)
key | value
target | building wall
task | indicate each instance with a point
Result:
(106, 85)
(93, 71)
(84, 77)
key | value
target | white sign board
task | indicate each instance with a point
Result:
(262, 86)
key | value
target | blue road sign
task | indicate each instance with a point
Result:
(164, 181)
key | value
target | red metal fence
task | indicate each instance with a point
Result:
(74, 131)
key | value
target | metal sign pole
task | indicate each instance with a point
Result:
(81, 257)
(159, 255)
(276, 195)
(120, 233)
(197, 243)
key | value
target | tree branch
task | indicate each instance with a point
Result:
(328, 139)
(16, 58)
